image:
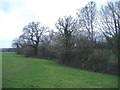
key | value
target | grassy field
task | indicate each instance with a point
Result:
(22, 72)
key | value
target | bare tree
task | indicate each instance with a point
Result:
(16, 44)
(48, 39)
(66, 27)
(110, 23)
(47, 45)
(19, 44)
(87, 21)
(32, 33)
(86, 17)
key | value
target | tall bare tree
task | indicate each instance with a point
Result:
(86, 17)
(110, 24)
(33, 33)
(66, 27)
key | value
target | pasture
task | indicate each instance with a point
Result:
(23, 72)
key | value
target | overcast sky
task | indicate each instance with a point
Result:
(15, 14)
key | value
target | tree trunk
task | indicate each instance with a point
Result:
(93, 67)
(108, 68)
(35, 50)
(83, 66)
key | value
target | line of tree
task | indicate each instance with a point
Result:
(89, 41)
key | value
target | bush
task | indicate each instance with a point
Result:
(27, 51)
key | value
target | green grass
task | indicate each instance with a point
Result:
(22, 72)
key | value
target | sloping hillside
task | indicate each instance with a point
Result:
(22, 72)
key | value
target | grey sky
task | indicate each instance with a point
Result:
(15, 14)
